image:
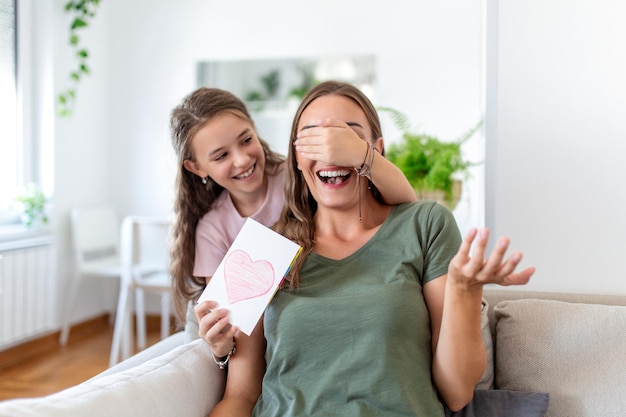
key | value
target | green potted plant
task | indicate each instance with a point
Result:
(434, 168)
(34, 204)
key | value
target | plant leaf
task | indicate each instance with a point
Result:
(78, 23)
(399, 119)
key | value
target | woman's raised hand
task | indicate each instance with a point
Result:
(215, 328)
(474, 269)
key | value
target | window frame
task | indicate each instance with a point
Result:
(35, 104)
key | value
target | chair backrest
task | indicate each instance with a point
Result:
(144, 245)
(95, 233)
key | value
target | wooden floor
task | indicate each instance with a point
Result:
(85, 355)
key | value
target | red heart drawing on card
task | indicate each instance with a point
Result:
(246, 279)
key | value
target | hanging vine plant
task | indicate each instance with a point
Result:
(82, 12)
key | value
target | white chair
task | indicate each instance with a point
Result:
(95, 241)
(145, 267)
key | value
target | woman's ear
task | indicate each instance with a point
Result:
(379, 144)
(192, 167)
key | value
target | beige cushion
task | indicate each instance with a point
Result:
(575, 352)
(182, 382)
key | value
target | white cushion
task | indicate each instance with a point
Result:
(182, 382)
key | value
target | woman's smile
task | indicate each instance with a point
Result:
(335, 176)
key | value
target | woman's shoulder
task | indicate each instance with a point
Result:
(422, 207)
(422, 212)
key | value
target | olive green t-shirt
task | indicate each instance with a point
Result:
(354, 339)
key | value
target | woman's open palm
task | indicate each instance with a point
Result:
(475, 269)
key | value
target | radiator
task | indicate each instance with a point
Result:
(27, 290)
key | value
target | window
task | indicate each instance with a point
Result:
(9, 143)
(26, 103)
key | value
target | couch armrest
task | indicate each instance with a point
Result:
(181, 382)
(151, 352)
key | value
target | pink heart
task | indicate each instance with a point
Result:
(246, 279)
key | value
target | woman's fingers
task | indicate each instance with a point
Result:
(476, 262)
(463, 254)
(474, 268)
(204, 308)
(210, 319)
(493, 265)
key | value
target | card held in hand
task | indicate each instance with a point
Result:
(250, 273)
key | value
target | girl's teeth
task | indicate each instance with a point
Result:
(246, 174)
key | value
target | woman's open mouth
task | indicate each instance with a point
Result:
(334, 177)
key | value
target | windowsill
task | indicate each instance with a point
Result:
(17, 236)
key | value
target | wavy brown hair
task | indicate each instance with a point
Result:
(297, 221)
(194, 199)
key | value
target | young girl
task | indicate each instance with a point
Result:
(226, 173)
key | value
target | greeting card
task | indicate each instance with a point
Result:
(250, 273)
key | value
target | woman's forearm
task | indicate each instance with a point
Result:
(459, 357)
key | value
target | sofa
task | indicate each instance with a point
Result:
(564, 354)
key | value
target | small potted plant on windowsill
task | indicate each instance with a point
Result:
(34, 206)
(434, 168)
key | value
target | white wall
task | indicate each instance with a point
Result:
(83, 160)
(556, 139)
(144, 53)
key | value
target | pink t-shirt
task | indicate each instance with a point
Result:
(218, 228)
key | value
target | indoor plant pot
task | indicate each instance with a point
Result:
(435, 168)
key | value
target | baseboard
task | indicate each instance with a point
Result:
(48, 343)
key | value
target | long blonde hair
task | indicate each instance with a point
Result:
(296, 221)
(193, 198)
